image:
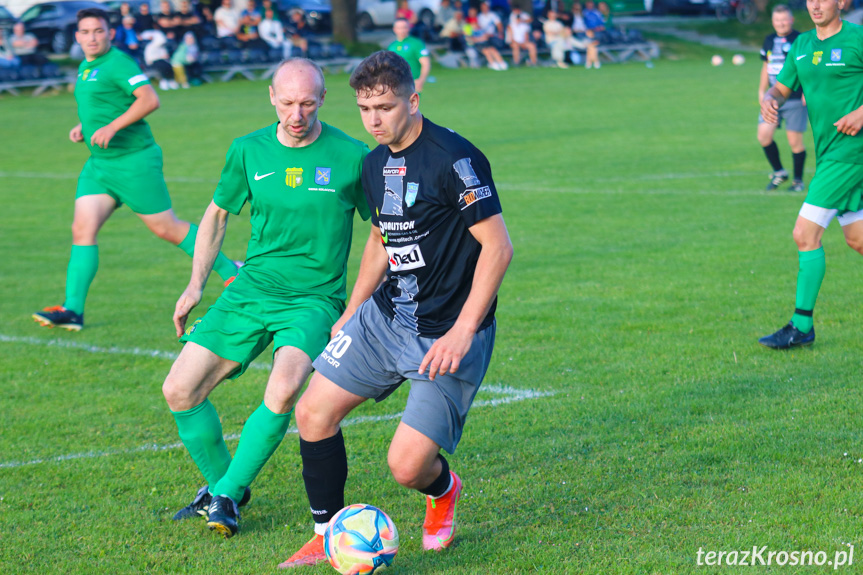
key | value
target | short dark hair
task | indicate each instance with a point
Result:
(780, 8)
(386, 71)
(92, 13)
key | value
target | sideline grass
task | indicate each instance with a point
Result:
(648, 261)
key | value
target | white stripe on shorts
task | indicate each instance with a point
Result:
(823, 216)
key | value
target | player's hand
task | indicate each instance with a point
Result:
(187, 302)
(850, 124)
(770, 110)
(76, 134)
(102, 136)
(418, 85)
(446, 353)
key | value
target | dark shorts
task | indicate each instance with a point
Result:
(794, 114)
(372, 356)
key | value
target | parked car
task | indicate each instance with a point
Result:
(318, 13)
(54, 23)
(7, 20)
(380, 13)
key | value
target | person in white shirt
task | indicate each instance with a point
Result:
(227, 20)
(518, 33)
(273, 33)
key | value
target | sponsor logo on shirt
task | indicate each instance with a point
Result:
(395, 170)
(398, 226)
(466, 173)
(816, 57)
(134, 79)
(411, 195)
(405, 258)
(322, 176)
(293, 177)
(471, 196)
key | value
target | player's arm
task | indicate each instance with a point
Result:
(76, 134)
(446, 353)
(425, 69)
(146, 102)
(773, 100)
(208, 243)
(850, 124)
(373, 268)
(763, 82)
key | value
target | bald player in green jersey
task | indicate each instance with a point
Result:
(413, 50)
(301, 179)
(827, 63)
(125, 165)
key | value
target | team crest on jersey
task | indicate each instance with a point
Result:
(293, 177)
(816, 57)
(835, 54)
(89, 74)
(411, 195)
(322, 176)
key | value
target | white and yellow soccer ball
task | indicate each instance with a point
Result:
(738, 60)
(361, 540)
(716, 60)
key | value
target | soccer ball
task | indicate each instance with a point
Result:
(716, 60)
(360, 540)
(738, 60)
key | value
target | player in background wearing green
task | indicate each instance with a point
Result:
(827, 63)
(125, 165)
(793, 113)
(413, 50)
(301, 179)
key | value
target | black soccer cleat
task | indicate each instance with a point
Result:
(788, 337)
(224, 515)
(199, 507)
(797, 186)
(59, 316)
(777, 179)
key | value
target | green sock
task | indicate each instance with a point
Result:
(201, 433)
(83, 263)
(223, 265)
(812, 267)
(262, 434)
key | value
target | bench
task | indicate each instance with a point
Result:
(40, 85)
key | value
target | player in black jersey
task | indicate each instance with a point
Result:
(423, 306)
(793, 112)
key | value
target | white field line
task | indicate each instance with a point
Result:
(70, 176)
(505, 394)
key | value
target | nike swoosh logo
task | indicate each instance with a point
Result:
(801, 57)
(257, 177)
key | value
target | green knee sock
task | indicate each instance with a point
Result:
(262, 434)
(83, 263)
(812, 267)
(223, 265)
(201, 433)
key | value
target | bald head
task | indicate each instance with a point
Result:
(300, 70)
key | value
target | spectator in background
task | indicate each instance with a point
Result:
(454, 32)
(607, 16)
(413, 50)
(166, 19)
(593, 19)
(298, 30)
(560, 7)
(188, 21)
(273, 33)
(156, 57)
(186, 61)
(144, 21)
(7, 58)
(518, 32)
(490, 24)
(249, 20)
(24, 46)
(476, 38)
(268, 5)
(126, 39)
(579, 29)
(227, 20)
(403, 11)
(444, 13)
(558, 37)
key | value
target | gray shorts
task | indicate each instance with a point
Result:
(372, 356)
(795, 115)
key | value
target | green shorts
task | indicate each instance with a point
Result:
(245, 319)
(133, 179)
(836, 186)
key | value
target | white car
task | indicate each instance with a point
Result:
(380, 13)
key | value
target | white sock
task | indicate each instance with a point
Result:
(320, 528)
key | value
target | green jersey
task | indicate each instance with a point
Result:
(302, 208)
(103, 91)
(830, 72)
(411, 49)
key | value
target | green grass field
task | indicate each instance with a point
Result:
(630, 418)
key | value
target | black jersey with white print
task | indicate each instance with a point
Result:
(774, 51)
(424, 198)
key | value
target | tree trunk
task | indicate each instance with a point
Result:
(344, 17)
